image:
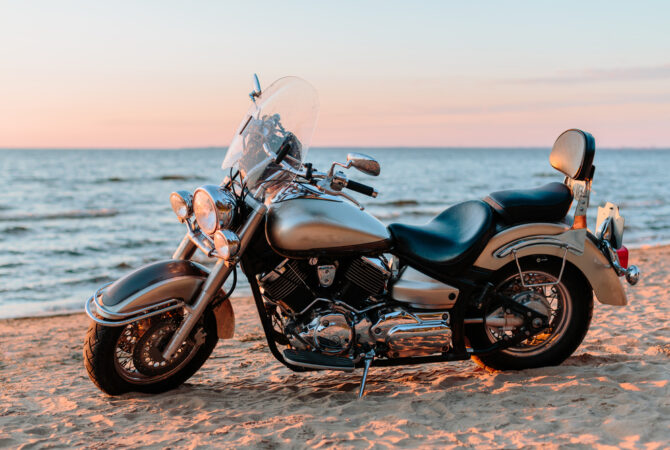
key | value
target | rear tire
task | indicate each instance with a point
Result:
(572, 301)
(104, 346)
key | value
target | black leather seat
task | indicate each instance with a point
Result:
(455, 237)
(548, 203)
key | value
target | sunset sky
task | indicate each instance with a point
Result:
(177, 74)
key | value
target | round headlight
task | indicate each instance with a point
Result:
(182, 204)
(214, 208)
(227, 243)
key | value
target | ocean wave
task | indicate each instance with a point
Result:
(97, 279)
(123, 265)
(398, 203)
(74, 214)
(66, 252)
(171, 177)
(644, 203)
(167, 177)
(116, 180)
(15, 230)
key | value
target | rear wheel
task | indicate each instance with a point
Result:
(568, 305)
(124, 359)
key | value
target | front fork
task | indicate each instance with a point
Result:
(217, 276)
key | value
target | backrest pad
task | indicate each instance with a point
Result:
(573, 153)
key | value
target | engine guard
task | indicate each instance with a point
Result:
(143, 293)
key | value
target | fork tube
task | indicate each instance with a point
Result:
(215, 280)
(212, 284)
(185, 250)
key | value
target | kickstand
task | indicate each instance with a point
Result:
(369, 356)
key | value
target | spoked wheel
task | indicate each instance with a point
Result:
(123, 359)
(568, 305)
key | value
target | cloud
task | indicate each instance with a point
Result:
(609, 100)
(599, 75)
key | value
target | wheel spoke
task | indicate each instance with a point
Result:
(549, 300)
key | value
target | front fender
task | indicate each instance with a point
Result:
(589, 260)
(156, 282)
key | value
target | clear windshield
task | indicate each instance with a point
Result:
(284, 115)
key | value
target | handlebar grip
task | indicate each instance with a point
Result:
(361, 188)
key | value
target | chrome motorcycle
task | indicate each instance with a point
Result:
(507, 281)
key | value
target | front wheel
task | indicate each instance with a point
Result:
(567, 303)
(124, 359)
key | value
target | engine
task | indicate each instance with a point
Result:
(297, 283)
(339, 308)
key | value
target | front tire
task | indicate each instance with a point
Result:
(568, 304)
(125, 359)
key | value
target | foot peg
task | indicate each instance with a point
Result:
(367, 360)
(315, 360)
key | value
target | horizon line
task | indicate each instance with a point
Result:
(327, 147)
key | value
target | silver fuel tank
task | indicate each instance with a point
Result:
(303, 225)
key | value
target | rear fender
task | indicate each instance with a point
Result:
(154, 283)
(552, 239)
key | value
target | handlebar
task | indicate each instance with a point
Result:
(361, 188)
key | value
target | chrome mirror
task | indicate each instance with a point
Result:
(257, 89)
(364, 163)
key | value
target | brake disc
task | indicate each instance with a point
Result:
(148, 353)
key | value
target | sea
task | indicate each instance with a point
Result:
(71, 220)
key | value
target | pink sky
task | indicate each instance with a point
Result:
(166, 75)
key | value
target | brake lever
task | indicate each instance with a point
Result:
(328, 185)
(342, 194)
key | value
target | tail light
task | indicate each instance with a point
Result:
(622, 253)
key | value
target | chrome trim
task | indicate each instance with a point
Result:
(133, 318)
(533, 285)
(223, 202)
(216, 278)
(200, 240)
(300, 190)
(366, 164)
(319, 366)
(592, 262)
(186, 199)
(118, 312)
(257, 89)
(632, 273)
(379, 264)
(326, 274)
(570, 239)
(185, 249)
(413, 334)
(227, 244)
(581, 191)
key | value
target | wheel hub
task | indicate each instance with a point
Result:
(148, 353)
(535, 301)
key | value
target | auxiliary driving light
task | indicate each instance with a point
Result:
(182, 204)
(214, 208)
(227, 243)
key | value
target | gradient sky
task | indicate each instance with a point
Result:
(175, 74)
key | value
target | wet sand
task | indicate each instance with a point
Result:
(615, 391)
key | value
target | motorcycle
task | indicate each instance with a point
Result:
(507, 281)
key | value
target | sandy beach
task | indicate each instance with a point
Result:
(613, 392)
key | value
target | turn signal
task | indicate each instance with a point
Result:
(227, 243)
(182, 204)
